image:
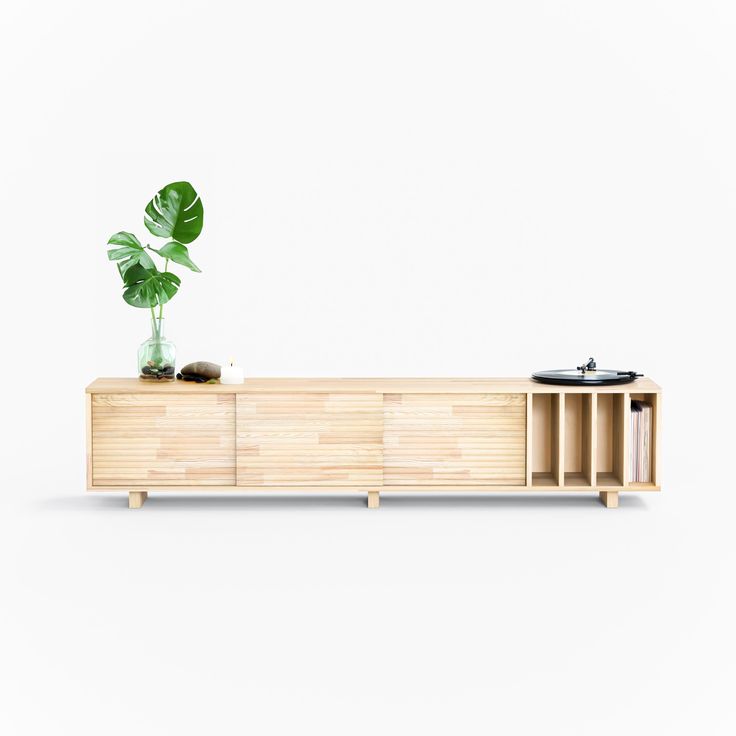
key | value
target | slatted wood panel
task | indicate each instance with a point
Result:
(314, 439)
(454, 439)
(163, 439)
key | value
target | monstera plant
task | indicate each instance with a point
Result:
(175, 214)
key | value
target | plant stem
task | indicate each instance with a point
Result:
(161, 306)
(156, 356)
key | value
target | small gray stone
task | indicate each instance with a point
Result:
(202, 369)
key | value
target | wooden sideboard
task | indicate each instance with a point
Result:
(367, 435)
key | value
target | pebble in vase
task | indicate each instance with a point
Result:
(157, 355)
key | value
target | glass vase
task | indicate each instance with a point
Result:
(157, 355)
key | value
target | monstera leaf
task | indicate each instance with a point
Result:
(179, 254)
(175, 212)
(130, 253)
(148, 287)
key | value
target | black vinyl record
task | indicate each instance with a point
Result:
(585, 375)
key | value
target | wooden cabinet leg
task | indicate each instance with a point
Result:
(136, 499)
(609, 499)
(373, 499)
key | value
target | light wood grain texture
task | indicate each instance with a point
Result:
(558, 438)
(574, 433)
(623, 434)
(136, 499)
(373, 499)
(88, 422)
(529, 438)
(604, 433)
(656, 437)
(589, 438)
(163, 439)
(542, 431)
(609, 499)
(578, 439)
(359, 385)
(310, 439)
(458, 439)
(608, 480)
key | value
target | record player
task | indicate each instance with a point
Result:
(587, 374)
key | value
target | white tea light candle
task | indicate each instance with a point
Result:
(231, 373)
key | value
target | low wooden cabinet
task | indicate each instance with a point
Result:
(365, 435)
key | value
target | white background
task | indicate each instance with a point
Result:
(394, 189)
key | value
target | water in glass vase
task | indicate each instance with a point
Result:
(157, 356)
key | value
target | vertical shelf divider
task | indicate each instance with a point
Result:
(625, 443)
(657, 416)
(590, 437)
(558, 438)
(529, 435)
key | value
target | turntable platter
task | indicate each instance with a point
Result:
(585, 375)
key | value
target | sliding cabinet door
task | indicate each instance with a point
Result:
(454, 439)
(310, 439)
(164, 439)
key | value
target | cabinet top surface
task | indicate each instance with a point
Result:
(362, 385)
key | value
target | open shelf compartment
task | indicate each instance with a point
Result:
(612, 426)
(548, 439)
(579, 466)
(653, 400)
(582, 441)
(563, 440)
